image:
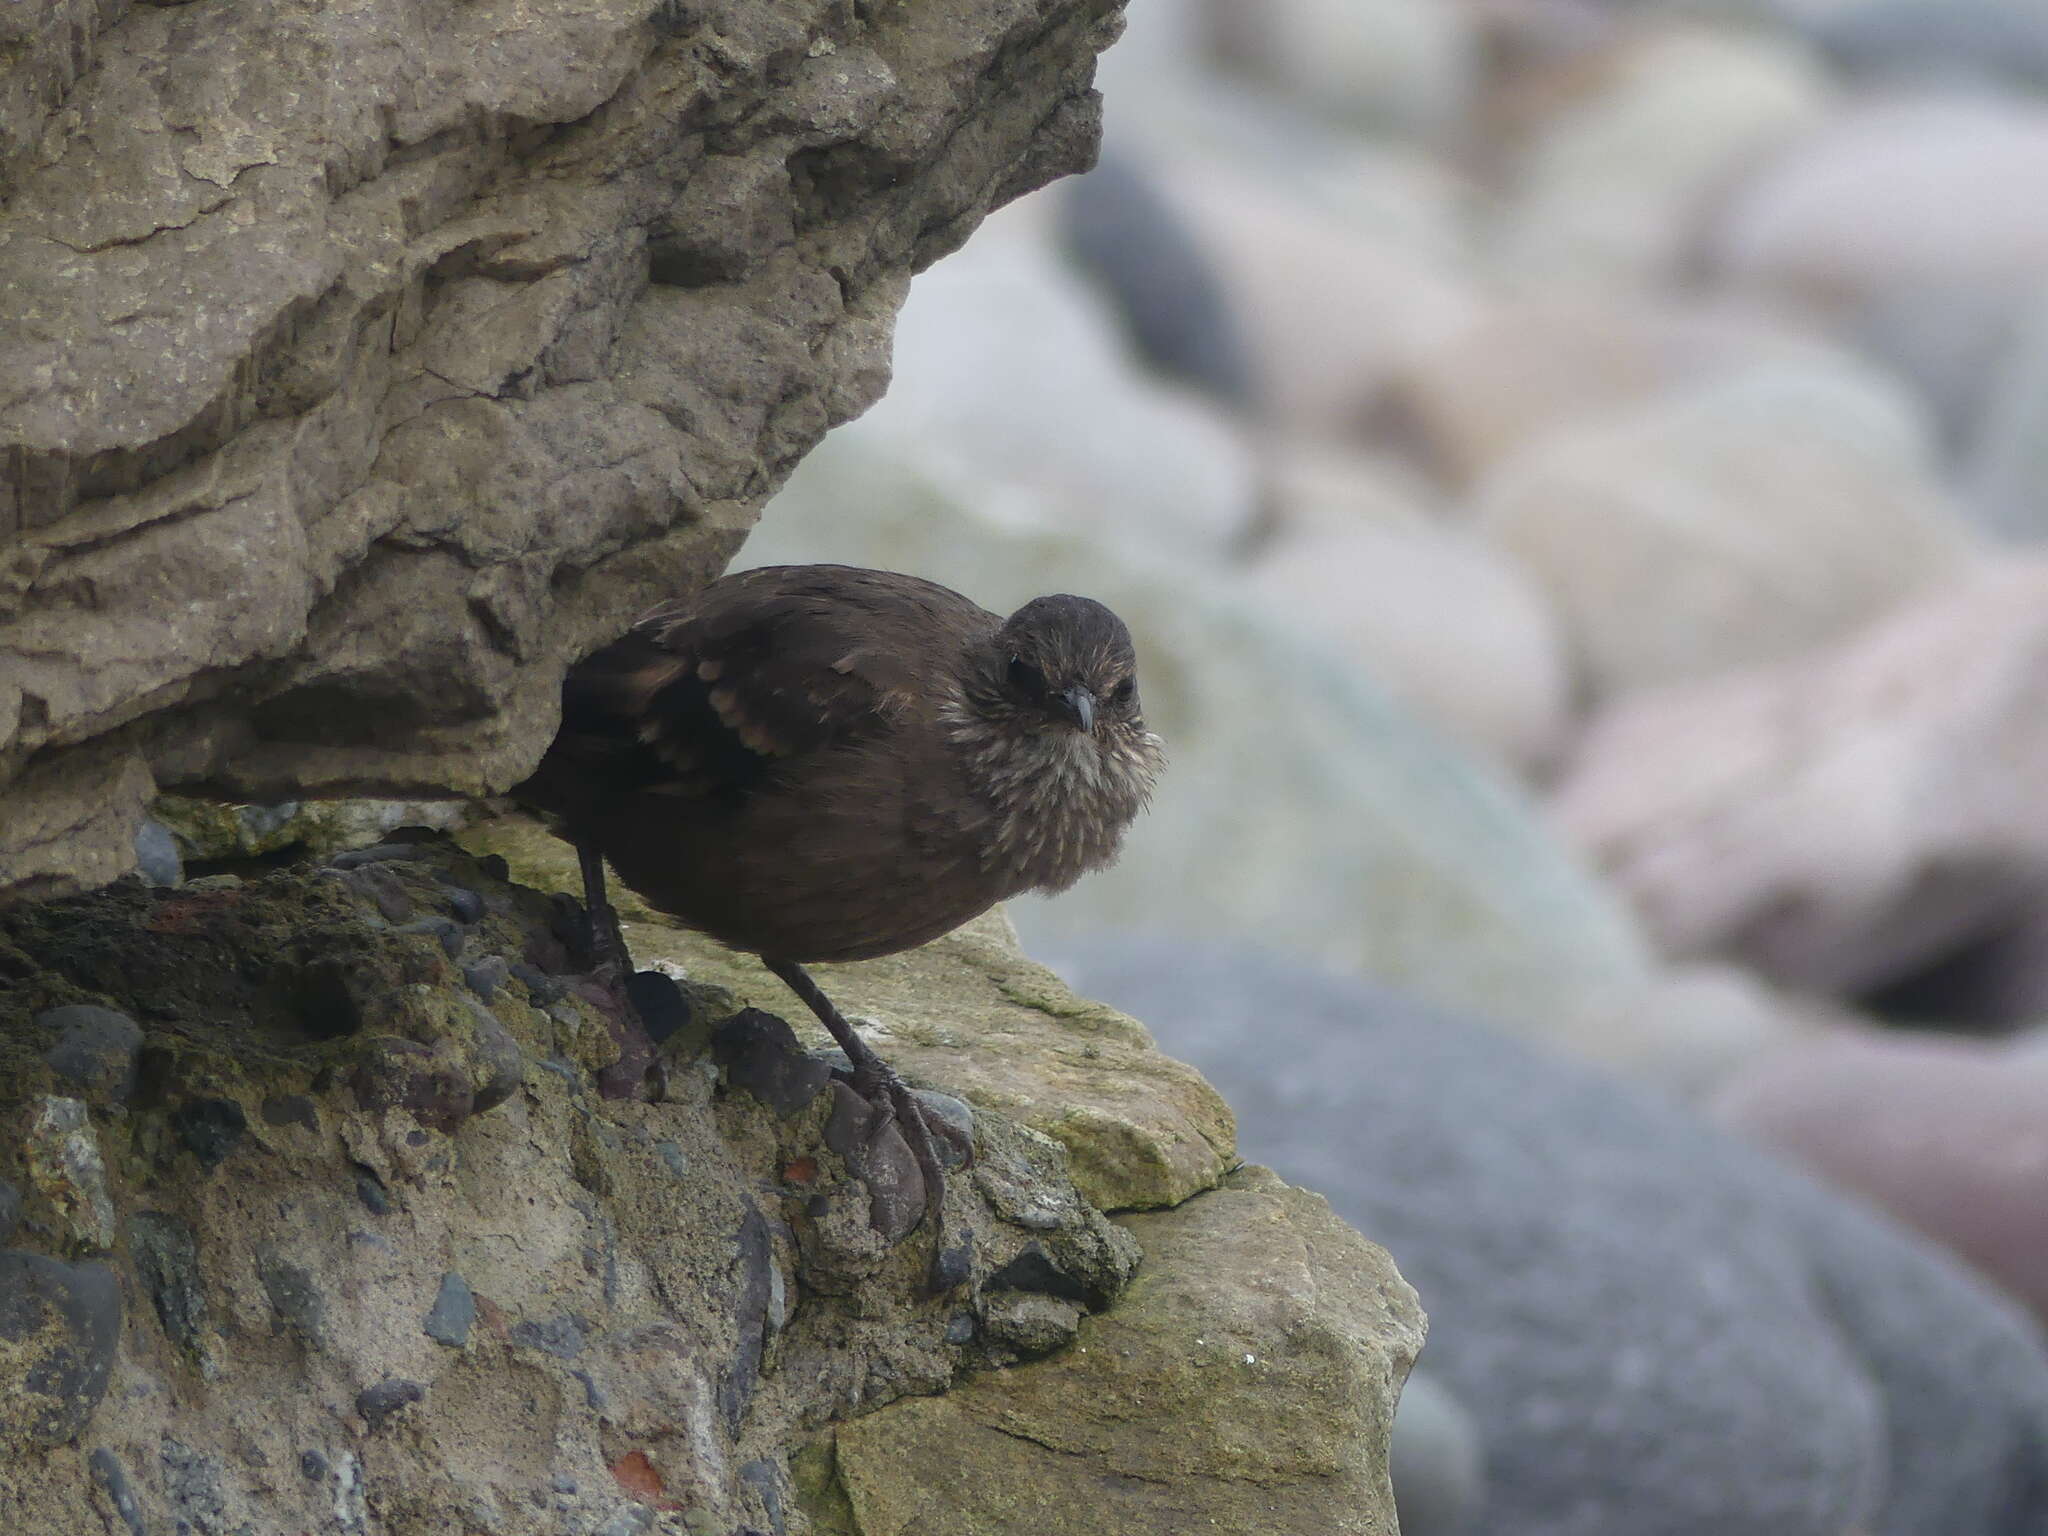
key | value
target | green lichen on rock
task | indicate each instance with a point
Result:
(1245, 1382)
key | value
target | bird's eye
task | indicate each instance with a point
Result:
(1124, 692)
(1026, 678)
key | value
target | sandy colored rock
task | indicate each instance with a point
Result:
(1447, 623)
(1613, 186)
(969, 1014)
(1739, 521)
(1246, 1382)
(368, 364)
(1910, 190)
(1536, 365)
(1330, 304)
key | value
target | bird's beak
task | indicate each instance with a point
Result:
(1080, 707)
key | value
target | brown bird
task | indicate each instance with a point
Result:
(825, 763)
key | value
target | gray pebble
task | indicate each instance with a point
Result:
(445, 929)
(59, 1326)
(761, 1476)
(464, 905)
(485, 976)
(167, 1261)
(113, 1482)
(156, 854)
(377, 853)
(384, 890)
(210, 1128)
(453, 1313)
(540, 986)
(292, 1292)
(670, 1153)
(761, 1054)
(95, 1050)
(370, 1190)
(562, 1337)
(951, 1122)
(378, 1403)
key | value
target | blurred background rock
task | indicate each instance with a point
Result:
(1578, 473)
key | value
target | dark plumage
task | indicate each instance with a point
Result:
(824, 763)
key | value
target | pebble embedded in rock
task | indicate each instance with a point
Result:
(562, 1337)
(156, 854)
(487, 975)
(495, 1060)
(384, 889)
(191, 1481)
(446, 930)
(540, 986)
(291, 1109)
(94, 1051)
(378, 1403)
(762, 1478)
(312, 1466)
(951, 1122)
(464, 904)
(291, 1290)
(953, 1266)
(377, 853)
(64, 1164)
(167, 1259)
(761, 1054)
(113, 1482)
(453, 1313)
(392, 1073)
(1030, 1322)
(370, 1190)
(210, 1128)
(669, 1152)
(59, 1327)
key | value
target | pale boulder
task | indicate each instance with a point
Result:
(1844, 819)
(1730, 524)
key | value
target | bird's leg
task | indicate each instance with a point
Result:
(607, 943)
(638, 1071)
(874, 1080)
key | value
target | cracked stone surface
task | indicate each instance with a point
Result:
(365, 364)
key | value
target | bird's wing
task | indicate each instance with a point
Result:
(709, 693)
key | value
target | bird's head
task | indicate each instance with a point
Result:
(1063, 663)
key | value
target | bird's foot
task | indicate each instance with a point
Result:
(639, 1072)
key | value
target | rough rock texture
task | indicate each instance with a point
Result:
(367, 1178)
(363, 364)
